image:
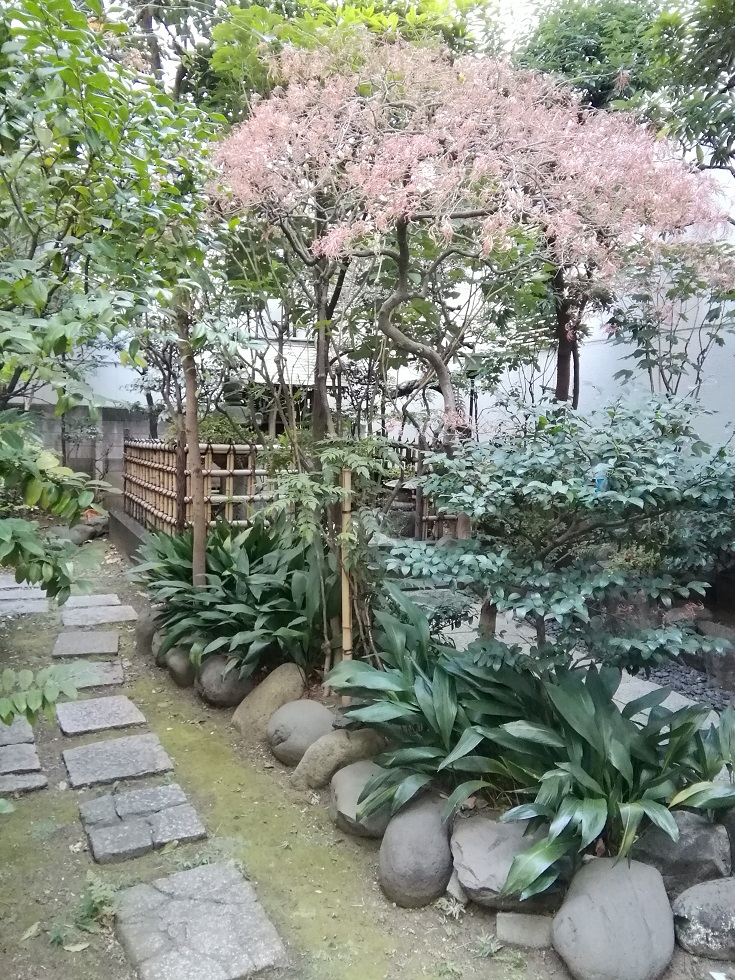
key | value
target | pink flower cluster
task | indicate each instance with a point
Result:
(472, 143)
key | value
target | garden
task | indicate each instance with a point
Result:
(471, 671)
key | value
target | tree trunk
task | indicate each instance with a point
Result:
(191, 423)
(152, 416)
(488, 618)
(563, 368)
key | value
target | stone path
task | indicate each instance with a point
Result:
(131, 757)
(98, 615)
(130, 824)
(203, 924)
(20, 598)
(97, 715)
(81, 644)
(20, 767)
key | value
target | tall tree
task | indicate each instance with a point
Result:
(409, 158)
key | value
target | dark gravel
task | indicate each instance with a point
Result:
(692, 684)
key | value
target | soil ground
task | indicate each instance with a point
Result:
(318, 886)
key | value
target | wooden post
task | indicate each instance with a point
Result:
(230, 485)
(346, 596)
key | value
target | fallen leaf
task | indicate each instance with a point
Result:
(171, 846)
(76, 947)
(31, 932)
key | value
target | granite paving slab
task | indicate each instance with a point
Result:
(19, 758)
(103, 811)
(96, 673)
(137, 835)
(97, 715)
(97, 616)
(126, 825)
(90, 601)
(25, 782)
(130, 757)
(78, 643)
(15, 733)
(23, 607)
(7, 581)
(202, 924)
(22, 592)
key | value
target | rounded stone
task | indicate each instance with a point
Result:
(182, 670)
(484, 850)
(615, 922)
(345, 791)
(333, 752)
(415, 859)
(702, 852)
(220, 689)
(295, 726)
(159, 654)
(705, 919)
(284, 684)
(145, 631)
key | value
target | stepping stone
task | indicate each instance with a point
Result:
(91, 601)
(96, 673)
(96, 616)
(7, 581)
(22, 783)
(16, 732)
(23, 607)
(19, 758)
(78, 643)
(131, 757)
(127, 825)
(203, 924)
(97, 715)
(22, 592)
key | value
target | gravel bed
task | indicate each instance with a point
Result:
(691, 683)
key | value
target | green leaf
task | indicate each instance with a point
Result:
(461, 794)
(533, 732)
(631, 815)
(661, 817)
(406, 790)
(529, 866)
(468, 740)
(445, 704)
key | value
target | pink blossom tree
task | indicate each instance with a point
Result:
(402, 156)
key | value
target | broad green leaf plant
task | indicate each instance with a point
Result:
(512, 725)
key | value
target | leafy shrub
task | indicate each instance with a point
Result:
(497, 720)
(268, 596)
(557, 500)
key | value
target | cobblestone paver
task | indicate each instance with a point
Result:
(78, 643)
(203, 924)
(131, 757)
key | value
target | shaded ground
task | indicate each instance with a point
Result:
(318, 886)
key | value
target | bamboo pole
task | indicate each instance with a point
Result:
(346, 593)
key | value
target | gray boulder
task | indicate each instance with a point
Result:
(345, 791)
(220, 689)
(415, 858)
(334, 751)
(284, 684)
(483, 850)
(182, 670)
(615, 922)
(158, 652)
(720, 667)
(705, 919)
(145, 631)
(702, 852)
(296, 726)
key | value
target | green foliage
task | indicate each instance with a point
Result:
(238, 64)
(602, 47)
(25, 694)
(30, 471)
(561, 493)
(97, 166)
(268, 598)
(96, 908)
(494, 719)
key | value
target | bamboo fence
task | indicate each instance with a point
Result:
(157, 483)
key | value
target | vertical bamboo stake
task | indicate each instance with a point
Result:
(252, 463)
(208, 467)
(346, 596)
(230, 484)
